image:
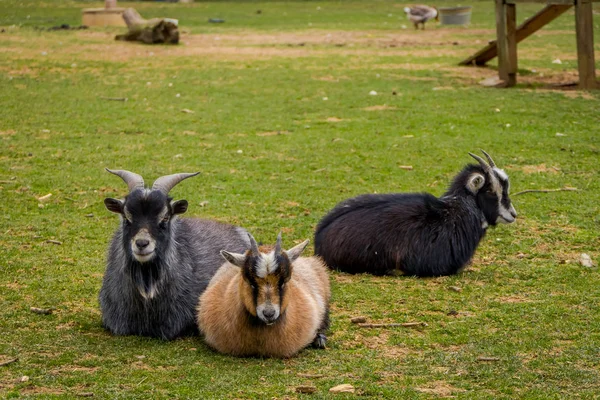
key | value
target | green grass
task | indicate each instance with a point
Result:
(525, 299)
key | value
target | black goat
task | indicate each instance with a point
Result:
(416, 233)
(158, 265)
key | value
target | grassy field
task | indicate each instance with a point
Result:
(274, 109)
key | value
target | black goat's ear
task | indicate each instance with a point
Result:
(114, 205)
(475, 182)
(179, 207)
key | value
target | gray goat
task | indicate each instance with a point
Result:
(158, 265)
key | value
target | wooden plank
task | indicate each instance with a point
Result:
(585, 45)
(531, 25)
(501, 43)
(511, 43)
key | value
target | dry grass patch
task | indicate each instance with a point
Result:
(439, 389)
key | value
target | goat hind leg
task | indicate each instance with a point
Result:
(320, 340)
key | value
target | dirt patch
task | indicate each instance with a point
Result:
(514, 299)
(379, 108)
(334, 119)
(273, 133)
(73, 368)
(439, 388)
(35, 390)
(538, 169)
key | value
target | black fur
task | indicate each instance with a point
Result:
(415, 233)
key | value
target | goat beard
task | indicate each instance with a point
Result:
(145, 277)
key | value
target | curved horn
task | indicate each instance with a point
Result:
(278, 245)
(490, 161)
(253, 246)
(485, 166)
(168, 182)
(133, 181)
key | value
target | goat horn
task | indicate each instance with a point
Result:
(490, 161)
(166, 183)
(485, 166)
(133, 181)
(253, 246)
(278, 245)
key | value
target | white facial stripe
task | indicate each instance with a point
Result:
(127, 214)
(501, 174)
(163, 214)
(496, 186)
(266, 265)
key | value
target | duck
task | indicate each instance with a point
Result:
(420, 14)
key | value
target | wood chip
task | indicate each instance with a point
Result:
(43, 311)
(8, 362)
(358, 320)
(394, 325)
(53, 241)
(455, 288)
(406, 167)
(187, 111)
(306, 389)
(24, 378)
(343, 388)
(483, 358)
(45, 197)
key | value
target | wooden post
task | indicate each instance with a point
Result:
(110, 4)
(511, 43)
(502, 44)
(531, 25)
(585, 44)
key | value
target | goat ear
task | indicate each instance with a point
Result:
(475, 182)
(234, 258)
(295, 251)
(114, 205)
(179, 207)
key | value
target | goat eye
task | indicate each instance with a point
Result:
(165, 219)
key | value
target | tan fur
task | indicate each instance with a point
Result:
(223, 312)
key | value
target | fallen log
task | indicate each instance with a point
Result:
(149, 31)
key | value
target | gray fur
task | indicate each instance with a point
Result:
(158, 297)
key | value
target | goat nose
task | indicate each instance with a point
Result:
(269, 313)
(142, 243)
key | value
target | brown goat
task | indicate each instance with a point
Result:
(268, 304)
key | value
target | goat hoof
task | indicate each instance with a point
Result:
(320, 341)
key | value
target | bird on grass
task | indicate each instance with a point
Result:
(421, 14)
